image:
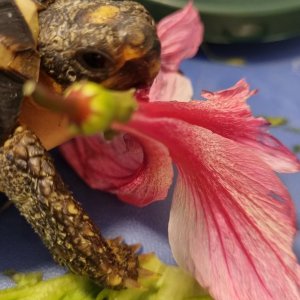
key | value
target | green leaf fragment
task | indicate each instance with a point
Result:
(67, 287)
(168, 282)
(22, 279)
(164, 282)
(30, 279)
(296, 148)
(293, 129)
(276, 121)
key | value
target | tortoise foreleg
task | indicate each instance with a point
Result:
(28, 177)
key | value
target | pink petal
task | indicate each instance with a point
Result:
(126, 166)
(181, 34)
(240, 92)
(142, 95)
(154, 178)
(227, 114)
(232, 220)
(104, 165)
(169, 86)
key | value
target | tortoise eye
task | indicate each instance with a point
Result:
(93, 60)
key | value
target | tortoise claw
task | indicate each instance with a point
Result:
(135, 247)
(117, 240)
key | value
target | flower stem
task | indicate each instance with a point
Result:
(48, 99)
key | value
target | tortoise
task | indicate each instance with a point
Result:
(59, 42)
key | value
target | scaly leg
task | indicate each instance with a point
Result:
(28, 177)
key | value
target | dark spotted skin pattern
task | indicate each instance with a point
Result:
(29, 179)
(107, 41)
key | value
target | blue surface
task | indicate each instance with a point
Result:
(274, 69)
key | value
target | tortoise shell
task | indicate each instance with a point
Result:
(19, 57)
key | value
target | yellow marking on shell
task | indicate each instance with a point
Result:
(28, 70)
(17, 61)
(6, 55)
(28, 8)
(103, 14)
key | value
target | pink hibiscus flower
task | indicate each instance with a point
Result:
(232, 221)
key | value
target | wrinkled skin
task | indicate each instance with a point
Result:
(114, 44)
(110, 42)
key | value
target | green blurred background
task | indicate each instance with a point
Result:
(231, 21)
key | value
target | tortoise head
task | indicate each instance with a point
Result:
(106, 41)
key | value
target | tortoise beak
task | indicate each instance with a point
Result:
(141, 61)
(134, 74)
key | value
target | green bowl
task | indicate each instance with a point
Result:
(229, 21)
